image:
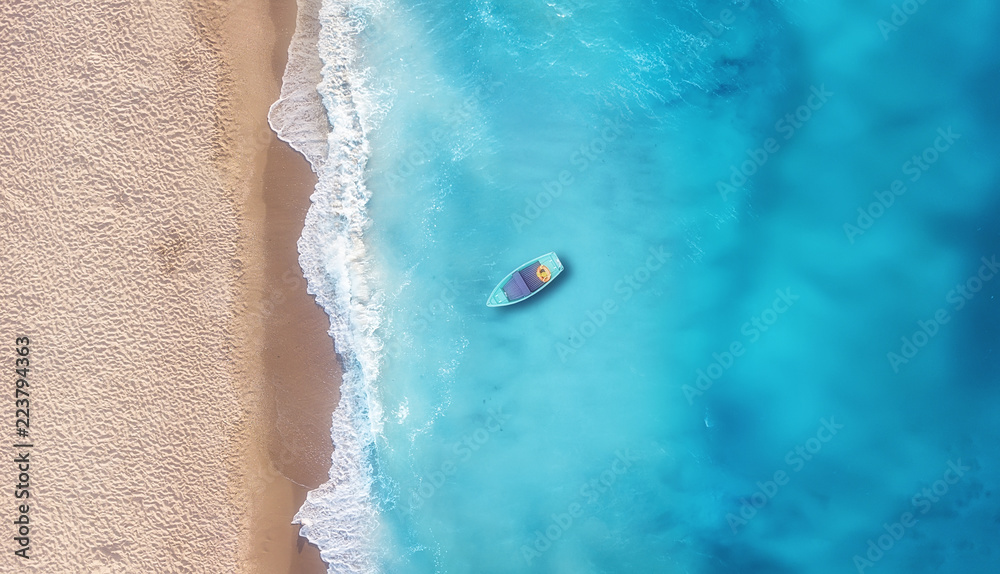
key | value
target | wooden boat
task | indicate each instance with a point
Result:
(526, 280)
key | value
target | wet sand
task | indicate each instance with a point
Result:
(300, 368)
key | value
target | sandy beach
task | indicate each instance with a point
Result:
(181, 380)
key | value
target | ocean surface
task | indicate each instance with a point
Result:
(775, 345)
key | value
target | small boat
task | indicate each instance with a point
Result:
(526, 280)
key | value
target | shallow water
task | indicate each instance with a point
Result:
(738, 371)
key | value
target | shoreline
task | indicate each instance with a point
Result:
(301, 372)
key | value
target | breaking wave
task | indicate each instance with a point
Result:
(324, 112)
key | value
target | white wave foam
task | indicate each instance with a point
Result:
(298, 117)
(339, 516)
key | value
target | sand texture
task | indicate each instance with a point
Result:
(132, 150)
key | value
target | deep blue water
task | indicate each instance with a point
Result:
(778, 321)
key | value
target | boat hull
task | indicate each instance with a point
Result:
(500, 298)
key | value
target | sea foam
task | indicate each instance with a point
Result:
(327, 122)
(298, 116)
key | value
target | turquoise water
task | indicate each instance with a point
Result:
(777, 324)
